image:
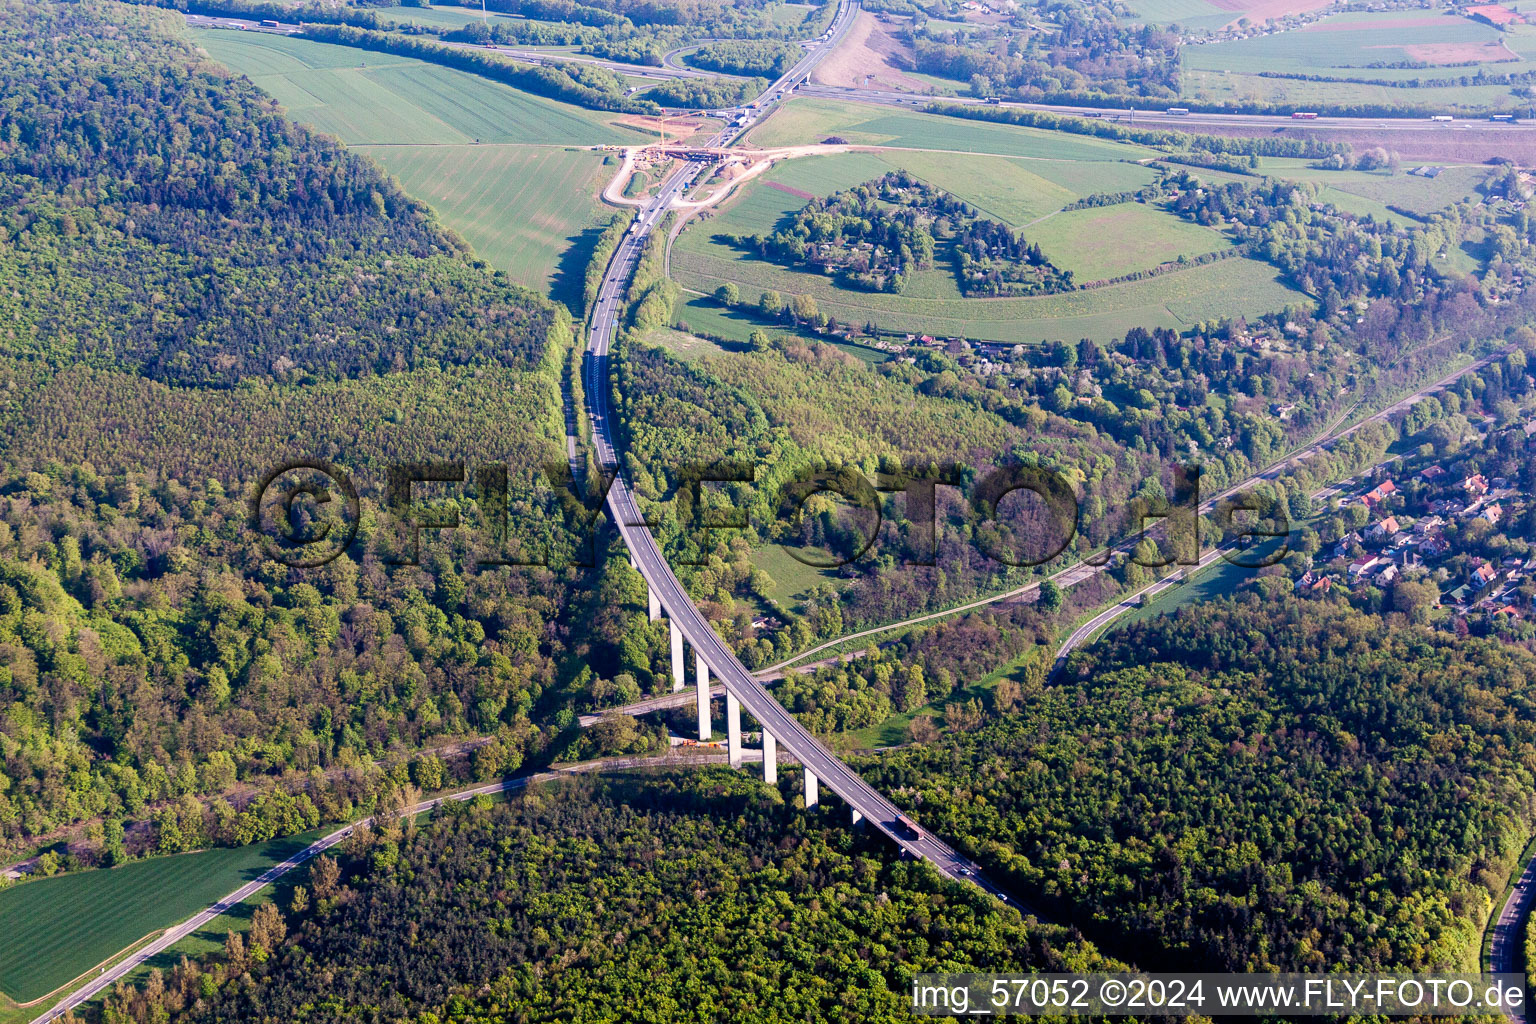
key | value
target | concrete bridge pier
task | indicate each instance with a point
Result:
(679, 670)
(770, 758)
(856, 815)
(653, 604)
(701, 673)
(733, 729)
(812, 794)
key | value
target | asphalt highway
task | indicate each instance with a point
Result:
(1158, 117)
(1504, 954)
(723, 663)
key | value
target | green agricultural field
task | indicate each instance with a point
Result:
(802, 121)
(532, 211)
(932, 303)
(1107, 241)
(365, 97)
(59, 928)
(1176, 300)
(1346, 44)
(1008, 189)
(1017, 191)
(1352, 42)
(1216, 86)
(443, 18)
(1192, 14)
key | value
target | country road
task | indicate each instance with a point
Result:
(172, 936)
(1084, 632)
(1086, 567)
(1503, 954)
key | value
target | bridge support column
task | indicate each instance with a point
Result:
(770, 758)
(856, 816)
(812, 796)
(653, 604)
(679, 670)
(701, 674)
(733, 729)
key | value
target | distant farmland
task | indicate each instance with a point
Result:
(365, 97)
(1095, 243)
(528, 206)
(1177, 300)
(532, 211)
(1427, 46)
(811, 120)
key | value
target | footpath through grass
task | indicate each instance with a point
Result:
(56, 929)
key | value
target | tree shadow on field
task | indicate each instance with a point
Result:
(571, 270)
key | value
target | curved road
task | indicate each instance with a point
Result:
(1082, 634)
(109, 977)
(1097, 561)
(624, 511)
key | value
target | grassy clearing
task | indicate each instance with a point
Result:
(1410, 191)
(443, 18)
(1216, 581)
(532, 211)
(685, 346)
(1360, 206)
(1418, 194)
(811, 120)
(1143, 236)
(792, 578)
(894, 729)
(1176, 300)
(364, 97)
(59, 928)
(1095, 243)
(789, 14)
(701, 313)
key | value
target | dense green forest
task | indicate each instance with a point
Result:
(195, 290)
(695, 897)
(1252, 784)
